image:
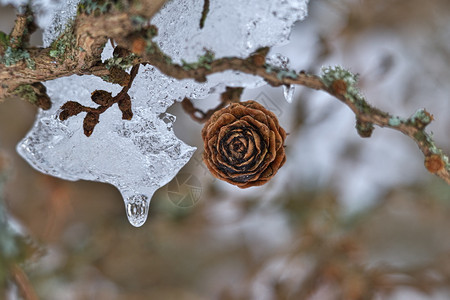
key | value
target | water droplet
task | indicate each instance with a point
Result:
(137, 209)
(288, 92)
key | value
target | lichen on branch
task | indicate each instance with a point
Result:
(78, 51)
(336, 81)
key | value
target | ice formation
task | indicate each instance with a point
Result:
(288, 92)
(143, 154)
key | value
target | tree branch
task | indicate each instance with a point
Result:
(78, 51)
(231, 95)
(337, 82)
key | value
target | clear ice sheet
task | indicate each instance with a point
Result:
(136, 156)
(141, 155)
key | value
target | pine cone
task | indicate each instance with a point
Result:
(244, 144)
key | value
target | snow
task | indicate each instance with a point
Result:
(141, 155)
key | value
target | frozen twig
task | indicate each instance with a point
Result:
(78, 51)
(231, 95)
(336, 81)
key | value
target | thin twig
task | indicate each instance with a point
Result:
(204, 13)
(91, 31)
(23, 28)
(366, 115)
(78, 49)
(231, 95)
(23, 283)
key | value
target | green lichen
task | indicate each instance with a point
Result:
(152, 31)
(421, 137)
(281, 73)
(446, 160)
(421, 118)
(168, 59)
(151, 47)
(4, 39)
(138, 21)
(64, 44)
(120, 62)
(204, 61)
(14, 55)
(27, 92)
(360, 103)
(108, 78)
(13, 52)
(352, 93)
(426, 139)
(286, 73)
(395, 121)
(330, 74)
(269, 68)
(98, 7)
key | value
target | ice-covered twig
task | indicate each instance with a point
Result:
(77, 50)
(336, 81)
(231, 95)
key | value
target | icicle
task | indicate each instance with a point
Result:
(288, 91)
(136, 208)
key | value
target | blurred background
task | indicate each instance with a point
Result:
(345, 218)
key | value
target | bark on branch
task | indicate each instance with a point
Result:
(78, 51)
(337, 82)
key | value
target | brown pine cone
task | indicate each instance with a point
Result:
(244, 144)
